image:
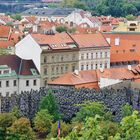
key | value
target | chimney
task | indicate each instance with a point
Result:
(129, 67)
(76, 72)
(117, 41)
(101, 70)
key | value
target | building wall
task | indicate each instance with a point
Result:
(8, 89)
(55, 64)
(19, 86)
(24, 87)
(28, 49)
(94, 58)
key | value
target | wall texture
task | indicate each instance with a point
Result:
(68, 98)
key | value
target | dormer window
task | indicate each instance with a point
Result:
(5, 71)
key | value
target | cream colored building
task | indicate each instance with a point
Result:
(94, 51)
(62, 53)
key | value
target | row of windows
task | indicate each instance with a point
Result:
(60, 58)
(94, 55)
(59, 69)
(93, 66)
(27, 83)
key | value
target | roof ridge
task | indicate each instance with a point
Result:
(20, 67)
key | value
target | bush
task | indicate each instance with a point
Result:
(43, 122)
(90, 110)
(65, 129)
(22, 129)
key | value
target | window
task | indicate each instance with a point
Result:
(27, 82)
(105, 65)
(91, 55)
(57, 70)
(82, 56)
(45, 59)
(5, 71)
(91, 66)
(34, 82)
(45, 82)
(61, 58)
(96, 55)
(66, 68)
(82, 67)
(0, 84)
(45, 71)
(96, 66)
(105, 54)
(101, 65)
(61, 69)
(100, 54)
(87, 55)
(87, 66)
(15, 83)
(52, 70)
(7, 83)
(52, 58)
(73, 68)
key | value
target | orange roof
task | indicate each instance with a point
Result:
(124, 57)
(90, 40)
(4, 31)
(56, 41)
(6, 44)
(128, 48)
(31, 19)
(89, 77)
(73, 79)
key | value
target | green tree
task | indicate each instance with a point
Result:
(22, 129)
(130, 17)
(66, 128)
(16, 112)
(61, 29)
(49, 103)
(130, 128)
(90, 110)
(127, 110)
(43, 122)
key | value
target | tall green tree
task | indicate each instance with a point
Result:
(49, 102)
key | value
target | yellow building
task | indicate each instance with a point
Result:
(129, 26)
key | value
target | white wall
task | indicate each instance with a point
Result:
(23, 87)
(28, 49)
(10, 89)
(104, 82)
(20, 85)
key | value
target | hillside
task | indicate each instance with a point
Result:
(106, 7)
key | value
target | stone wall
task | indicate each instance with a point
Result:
(67, 98)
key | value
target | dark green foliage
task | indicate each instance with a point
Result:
(127, 110)
(61, 29)
(106, 7)
(49, 103)
(90, 110)
(43, 122)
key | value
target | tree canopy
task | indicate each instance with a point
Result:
(115, 8)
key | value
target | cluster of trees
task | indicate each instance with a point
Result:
(116, 8)
(93, 121)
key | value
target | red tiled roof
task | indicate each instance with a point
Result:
(4, 31)
(87, 78)
(57, 39)
(90, 40)
(14, 62)
(128, 48)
